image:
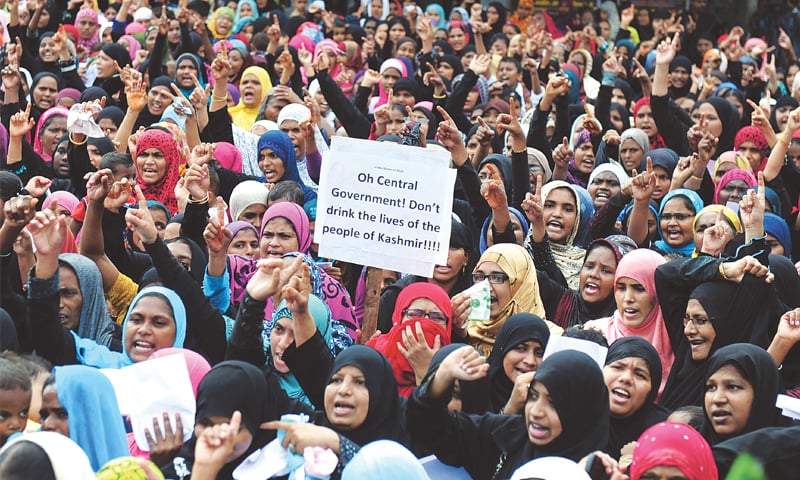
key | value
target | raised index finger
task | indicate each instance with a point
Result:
(754, 106)
(512, 107)
(649, 164)
(445, 115)
(140, 199)
(221, 211)
(196, 81)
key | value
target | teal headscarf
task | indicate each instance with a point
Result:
(90, 353)
(322, 319)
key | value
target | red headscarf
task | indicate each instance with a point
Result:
(753, 134)
(657, 142)
(162, 191)
(387, 344)
(673, 445)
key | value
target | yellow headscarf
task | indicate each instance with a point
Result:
(212, 22)
(729, 214)
(244, 116)
(515, 262)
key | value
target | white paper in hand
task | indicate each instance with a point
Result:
(264, 463)
(558, 343)
(159, 385)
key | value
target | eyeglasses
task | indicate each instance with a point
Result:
(496, 278)
(415, 313)
(677, 216)
(699, 322)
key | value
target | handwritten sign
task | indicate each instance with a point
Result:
(385, 205)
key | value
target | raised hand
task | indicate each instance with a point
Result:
(136, 94)
(221, 66)
(510, 123)
(716, 237)
(533, 205)
(480, 64)
(305, 57)
(370, 78)
(118, 195)
(464, 364)
(784, 40)
(450, 137)
(667, 50)
(216, 235)
(140, 220)
(266, 281)
(19, 210)
(38, 185)
(789, 326)
(98, 184)
(197, 181)
(752, 207)
(563, 154)
(492, 189)
(297, 290)
(644, 184)
(49, 231)
(202, 153)
(21, 123)
(274, 31)
(215, 445)
(199, 96)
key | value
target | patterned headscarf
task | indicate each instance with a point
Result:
(162, 138)
(752, 134)
(212, 22)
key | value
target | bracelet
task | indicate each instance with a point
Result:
(224, 99)
(204, 200)
(439, 97)
(71, 139)
(722, 271)
(695, 177)
(784, 142)
(525, 151)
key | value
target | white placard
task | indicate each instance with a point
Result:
(385, 205)
(145, 390)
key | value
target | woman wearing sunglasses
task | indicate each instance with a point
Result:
(421, 324)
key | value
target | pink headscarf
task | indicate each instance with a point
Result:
(295, 214)
(37, 137)
(83, 13)
(383, 95)
(640, 265)
(228, 156)
(328, 45)
(133, 45)
(64, 199)
(731, 175)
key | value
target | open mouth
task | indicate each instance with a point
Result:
(554, 226)
(696, 342)
(620, 395)
(720, 416)
(63, 319)
(630, 313)
(591, 288)
(674, 234)
(537, 430)
(143, 347)
(343, 409)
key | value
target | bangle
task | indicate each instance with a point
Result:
(695, 177)
(722, 271)
(224, 99)
(72, 139)
(439, 97)
(784, 142)
(525, 151)
(204, 200)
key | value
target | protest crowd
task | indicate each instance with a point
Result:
(619, 298)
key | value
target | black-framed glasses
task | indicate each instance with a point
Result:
(496, 278)
(677, 216)
(415, 313)
(698, 322)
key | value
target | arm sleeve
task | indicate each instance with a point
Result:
(246, 343)
(521, 183)
(219, 128)
(537, 135)
(604, 220)
(544, 260)
(672, 131)
(471, 184)
(356, 124)
(52, 340)
(455, 102)
(195, 219)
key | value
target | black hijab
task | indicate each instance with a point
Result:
(503, 164)
(386, 413)
(729, 117)
(737, 314)
(576, 388)
(518, 329)
(628, 429)
(758, 368)
(784, 101)
(8, 333)
(681, 61)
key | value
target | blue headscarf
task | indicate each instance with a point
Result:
(201, 72)
(322, 319)
(90, 353)
(280, 143)
(772, 198)
(586, 214)
(696, 202)
(436, 8)
(777, 227)
(485, 228)
(95, 422)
